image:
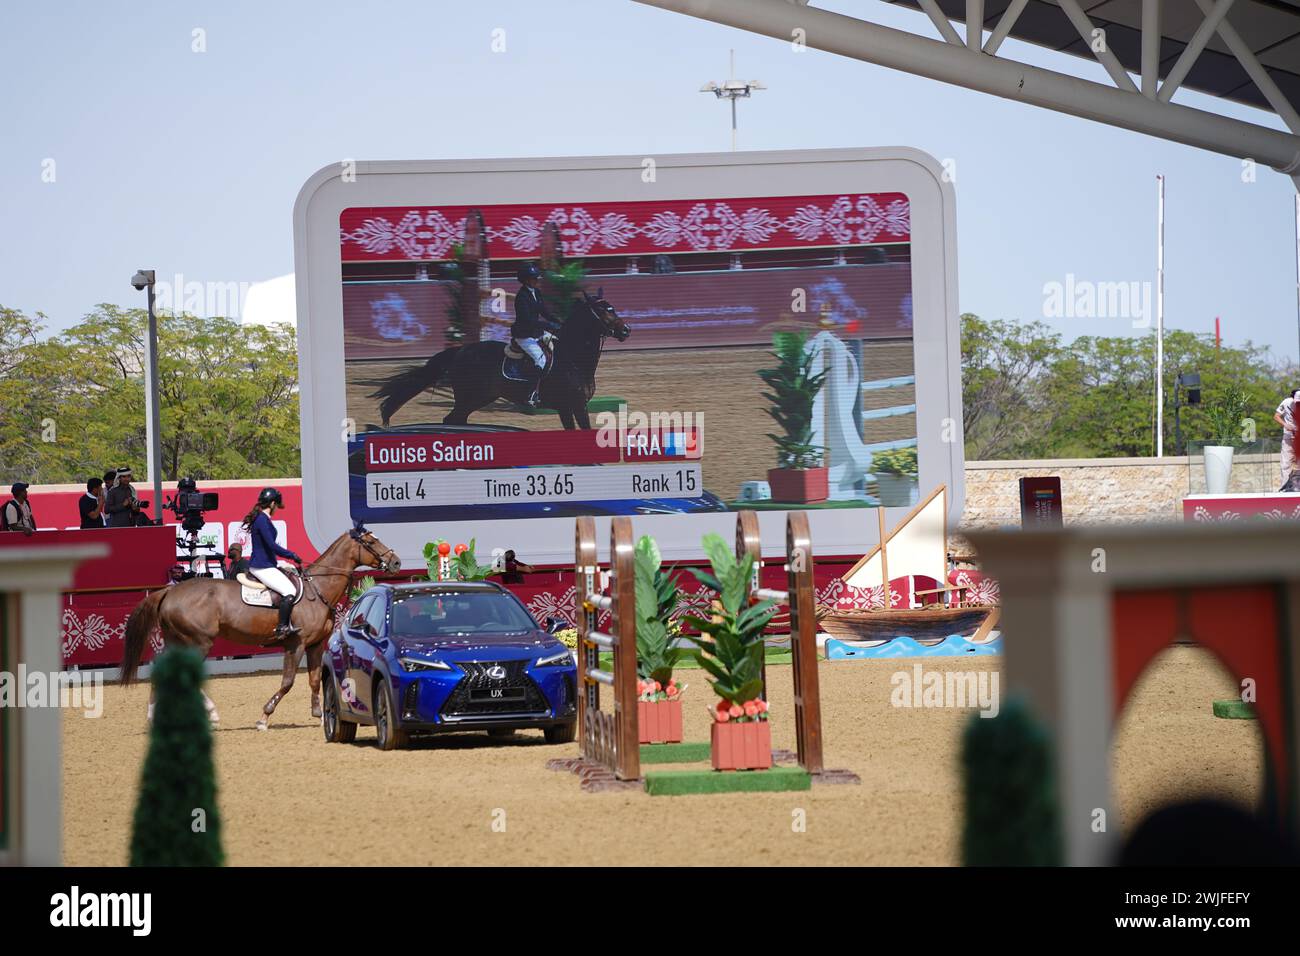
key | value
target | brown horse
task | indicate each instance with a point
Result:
(196, 612)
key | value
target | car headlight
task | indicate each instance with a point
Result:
(421, 664)
(556, 660)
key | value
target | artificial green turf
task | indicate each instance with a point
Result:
(1234, 709)
(675, 783)
(684, 752)
(766, 504)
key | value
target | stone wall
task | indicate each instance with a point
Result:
(1105, 490)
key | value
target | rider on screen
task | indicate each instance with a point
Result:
(262, 563)
(531, 320)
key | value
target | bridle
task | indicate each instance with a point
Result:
(608, 321)
(359, 537)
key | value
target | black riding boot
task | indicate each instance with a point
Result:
(284, 628)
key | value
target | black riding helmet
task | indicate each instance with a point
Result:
(529, 270)
(269, 496)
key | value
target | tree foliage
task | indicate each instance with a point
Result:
(1028, 394)
(73, 403)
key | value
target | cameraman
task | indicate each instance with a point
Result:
(121, 504)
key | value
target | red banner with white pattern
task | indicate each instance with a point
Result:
(414, 233)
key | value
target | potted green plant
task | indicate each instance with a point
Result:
(730, 650)
(1224, 416)
(659, 699)
(800, 475)
(446, 563)
(896, 475)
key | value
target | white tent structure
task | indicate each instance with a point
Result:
(270, 302)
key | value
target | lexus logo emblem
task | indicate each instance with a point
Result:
(496, 672)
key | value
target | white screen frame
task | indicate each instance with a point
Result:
(835, 532)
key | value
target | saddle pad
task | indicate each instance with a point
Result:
(257, 597)
(513, 369)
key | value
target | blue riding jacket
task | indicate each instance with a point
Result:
(264, 546)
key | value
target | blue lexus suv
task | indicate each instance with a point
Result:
(433, 657)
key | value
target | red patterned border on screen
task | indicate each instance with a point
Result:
(414, 233)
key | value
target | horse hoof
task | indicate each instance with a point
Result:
(261, 725)
(317, 712)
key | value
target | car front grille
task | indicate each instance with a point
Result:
(462, 701)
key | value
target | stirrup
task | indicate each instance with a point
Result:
(287, 630)
(534, 399)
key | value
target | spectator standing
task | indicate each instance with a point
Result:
(16, 515)
(1285, 416)
(91, 505)
(121, 502)
(238, 563)
(515, 569)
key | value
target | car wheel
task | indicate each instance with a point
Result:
(563, 734)
(387, 734)
(501, 732)
(337, 730)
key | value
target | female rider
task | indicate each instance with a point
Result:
(265, 549)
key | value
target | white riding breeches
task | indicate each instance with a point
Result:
(534, 351)
(275, 579)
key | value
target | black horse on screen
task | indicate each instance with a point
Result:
(476, 377)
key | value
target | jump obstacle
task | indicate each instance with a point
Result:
(1080, 639)
(609, 752)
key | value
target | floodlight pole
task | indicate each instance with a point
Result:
(153, 427)
(732, 90)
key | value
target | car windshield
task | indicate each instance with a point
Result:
(458, 612)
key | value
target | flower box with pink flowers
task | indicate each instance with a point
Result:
(659, 712)
(741, 737)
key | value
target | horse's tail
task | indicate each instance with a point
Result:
(404, 386)
(138, 628)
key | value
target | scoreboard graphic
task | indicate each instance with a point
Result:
(801, 304)
(494, 474)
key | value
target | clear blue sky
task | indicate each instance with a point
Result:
(190, 163)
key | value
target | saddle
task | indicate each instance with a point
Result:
(256, 594)
(516, 366)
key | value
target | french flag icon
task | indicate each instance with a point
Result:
(684, 444)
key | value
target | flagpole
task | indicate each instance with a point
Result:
(1160, 317)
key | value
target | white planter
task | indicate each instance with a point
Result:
(896, 490)
(1218, 466)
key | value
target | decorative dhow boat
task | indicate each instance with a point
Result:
(920, 624)
(919, 547)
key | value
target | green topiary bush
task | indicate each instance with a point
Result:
(1012, 810)
(178, 778)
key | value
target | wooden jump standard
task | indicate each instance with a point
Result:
(607, 739)
(608, 742)
(801, 599)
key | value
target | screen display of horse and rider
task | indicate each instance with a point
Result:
(637, 357)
